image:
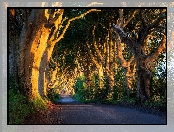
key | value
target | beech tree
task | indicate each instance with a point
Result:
(42, 29)
(49, 53)
(101, 48)
(139, 44)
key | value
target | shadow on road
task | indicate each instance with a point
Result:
(74, 112)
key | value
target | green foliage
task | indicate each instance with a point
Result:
(98, 93)
(39, 103)
(158, 81)
(119, 88)
(70, 48)
(19, 107)
(19, 104)
(53, 95)
(158, 87)
(156, 101)
(79, 84)
(114, 102)
(95, 94)
(132, 100)
(82, 93)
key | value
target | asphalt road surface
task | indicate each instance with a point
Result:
(73, 112)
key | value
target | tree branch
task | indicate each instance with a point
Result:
(132, 59)
(52, 21)
(128, 41)
(72, 19)
(98, 52)
(160, 26)
(56, 14)
(146, 29)
(120, 53)
(123, 62)
(120, 31)
(143, 21)
(51, 59)
(132, 16)
(120, 21)
(157, 21)
(92, 57)
(153, 55)
(95, 45)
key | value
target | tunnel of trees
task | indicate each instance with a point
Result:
(105, 55)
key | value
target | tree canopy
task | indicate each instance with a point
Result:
(95, 54)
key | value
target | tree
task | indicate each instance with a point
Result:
(38, 37)
(138, 46)
(128, 65)
(101, 49)
(14, 27)
(41, 39)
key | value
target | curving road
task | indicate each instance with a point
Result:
(73, 112)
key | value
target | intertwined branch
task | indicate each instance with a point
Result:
(69, 21)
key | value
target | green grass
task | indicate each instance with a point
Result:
(39, 103)
(20, 106)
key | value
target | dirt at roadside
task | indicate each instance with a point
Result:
(49, 116)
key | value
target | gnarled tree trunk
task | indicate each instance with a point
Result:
(34, 43)
(32, 32)
(128, 66)
(137, 46)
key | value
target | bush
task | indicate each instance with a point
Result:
(132, 100)
(53, 95)
(82, 93)
(79, 84)
(19, 107)
(39, 103)
(98, 92)
(91, 94)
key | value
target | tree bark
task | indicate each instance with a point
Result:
(13, 48)
(104, 64)
(130, 73)
(111, 85)
(43, 75)
(100, 75)
(29, 44)
(143, 62)
(36, 40)
(34, 43)
(128, 66)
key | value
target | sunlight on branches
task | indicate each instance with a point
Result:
(46, 14)
(67, 25)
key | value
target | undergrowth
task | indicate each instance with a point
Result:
(53, 95)
(20, 106)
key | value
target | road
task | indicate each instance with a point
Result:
(73, 112)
